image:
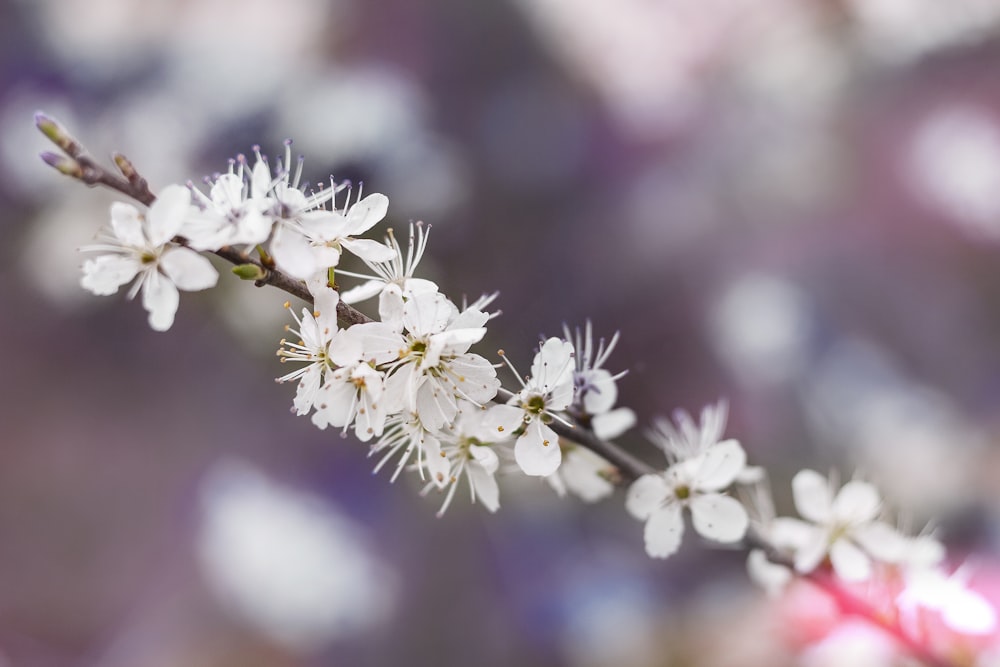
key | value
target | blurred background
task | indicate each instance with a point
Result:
(793, 204)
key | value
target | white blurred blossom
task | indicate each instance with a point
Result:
(287, 561)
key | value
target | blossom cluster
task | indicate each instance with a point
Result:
(406, 380)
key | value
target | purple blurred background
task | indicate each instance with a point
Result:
(793, 204)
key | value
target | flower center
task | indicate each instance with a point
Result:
(683, 492)
(535, 405)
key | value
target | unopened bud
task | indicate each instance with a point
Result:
(62, 164)
(125, 166)
(248, 272)
(57, 134)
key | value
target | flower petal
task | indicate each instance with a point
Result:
(849, 562)
(537, 450)
(719, 465)
(770, 576)
(664, 531)
(553, 368)
(160, 299)
(812, 551)
(166, 215)
(369, 250)
(601, 393)
(881, 541)
(363, 291)
(188, 270)
(719, 517)
(812, 496)
(105, 274)
(646, 495)
(499, 422)
(857, 502)
(293, 253)
(367, 213)
(127, 225)
(612, 424)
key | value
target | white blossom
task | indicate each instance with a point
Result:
(694, 483)
(430, 368)
(139, 247)
(961, 609)
(312, 240)
(470, 448)
(687, 439)
(582, 473)
(595, 391)
(842, 527)
(316, 332)
(397, 271)
(405, 436)
(234, 211)
(353, 391)
(547, 391)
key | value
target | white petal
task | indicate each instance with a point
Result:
(428, 313)
(166, 215)
(127, 225)
(307, 390)
(483, 482)
(857, 502)
(612, 424)
(553, 366)
(475, 377)
(812, 496)
(390, 305)
(335, 403)
(580, 472)
(485, 457)
(437, 463)
(719, 517)
(664, 530)
(254, 228)
(770, 576)
(363, 291)
(227, 192)
(293, 254)
(787, 533)
(500, 422)
(969, 613)
(368, 250)
(188, 270)
(812, 552)
(160, 299)
(105, 274)
(646, 495)
(260, 180)
(367, 213)
(450, 343)
(881, 541)
(719, 465)
(537, 450)
(602, 392)
(849, 562)
(419, 286)
(325, 300)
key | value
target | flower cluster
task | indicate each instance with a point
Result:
(406, 380)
